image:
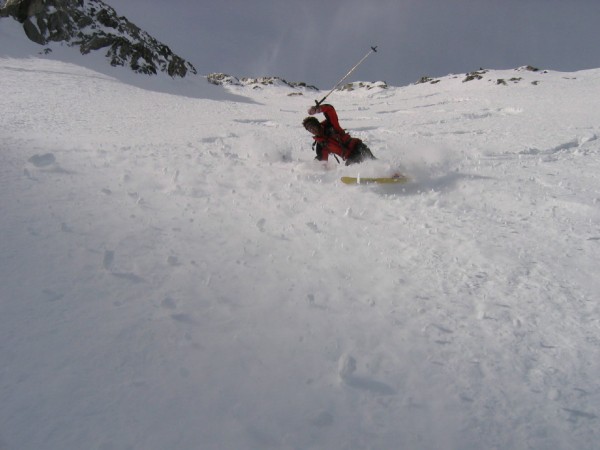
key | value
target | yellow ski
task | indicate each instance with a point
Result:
(395, 179)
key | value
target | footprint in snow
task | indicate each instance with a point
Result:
(323, 419)
(45, 160)
(168, 303)
(183, 318)
(346, 369)
(52, 296)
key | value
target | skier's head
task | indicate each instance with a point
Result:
(312, 125)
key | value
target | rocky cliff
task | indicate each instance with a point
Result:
(92, 25)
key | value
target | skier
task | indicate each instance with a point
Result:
(331, 138)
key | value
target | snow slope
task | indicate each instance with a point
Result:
(178, 273)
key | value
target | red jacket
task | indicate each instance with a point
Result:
(335, 139)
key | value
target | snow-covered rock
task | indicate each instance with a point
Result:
(92, 25)
(222, 79)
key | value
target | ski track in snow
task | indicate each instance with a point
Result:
(178, 273)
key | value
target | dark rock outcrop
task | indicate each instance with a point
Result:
(92, 25)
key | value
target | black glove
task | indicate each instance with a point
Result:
(319, 150)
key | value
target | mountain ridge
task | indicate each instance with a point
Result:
(93, 25)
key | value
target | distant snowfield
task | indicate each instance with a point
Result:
(178, 273)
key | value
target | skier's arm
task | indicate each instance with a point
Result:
(321, 149)
(330, 114)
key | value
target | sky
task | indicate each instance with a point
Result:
(318, 42)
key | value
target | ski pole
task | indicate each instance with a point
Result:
(373, 50)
